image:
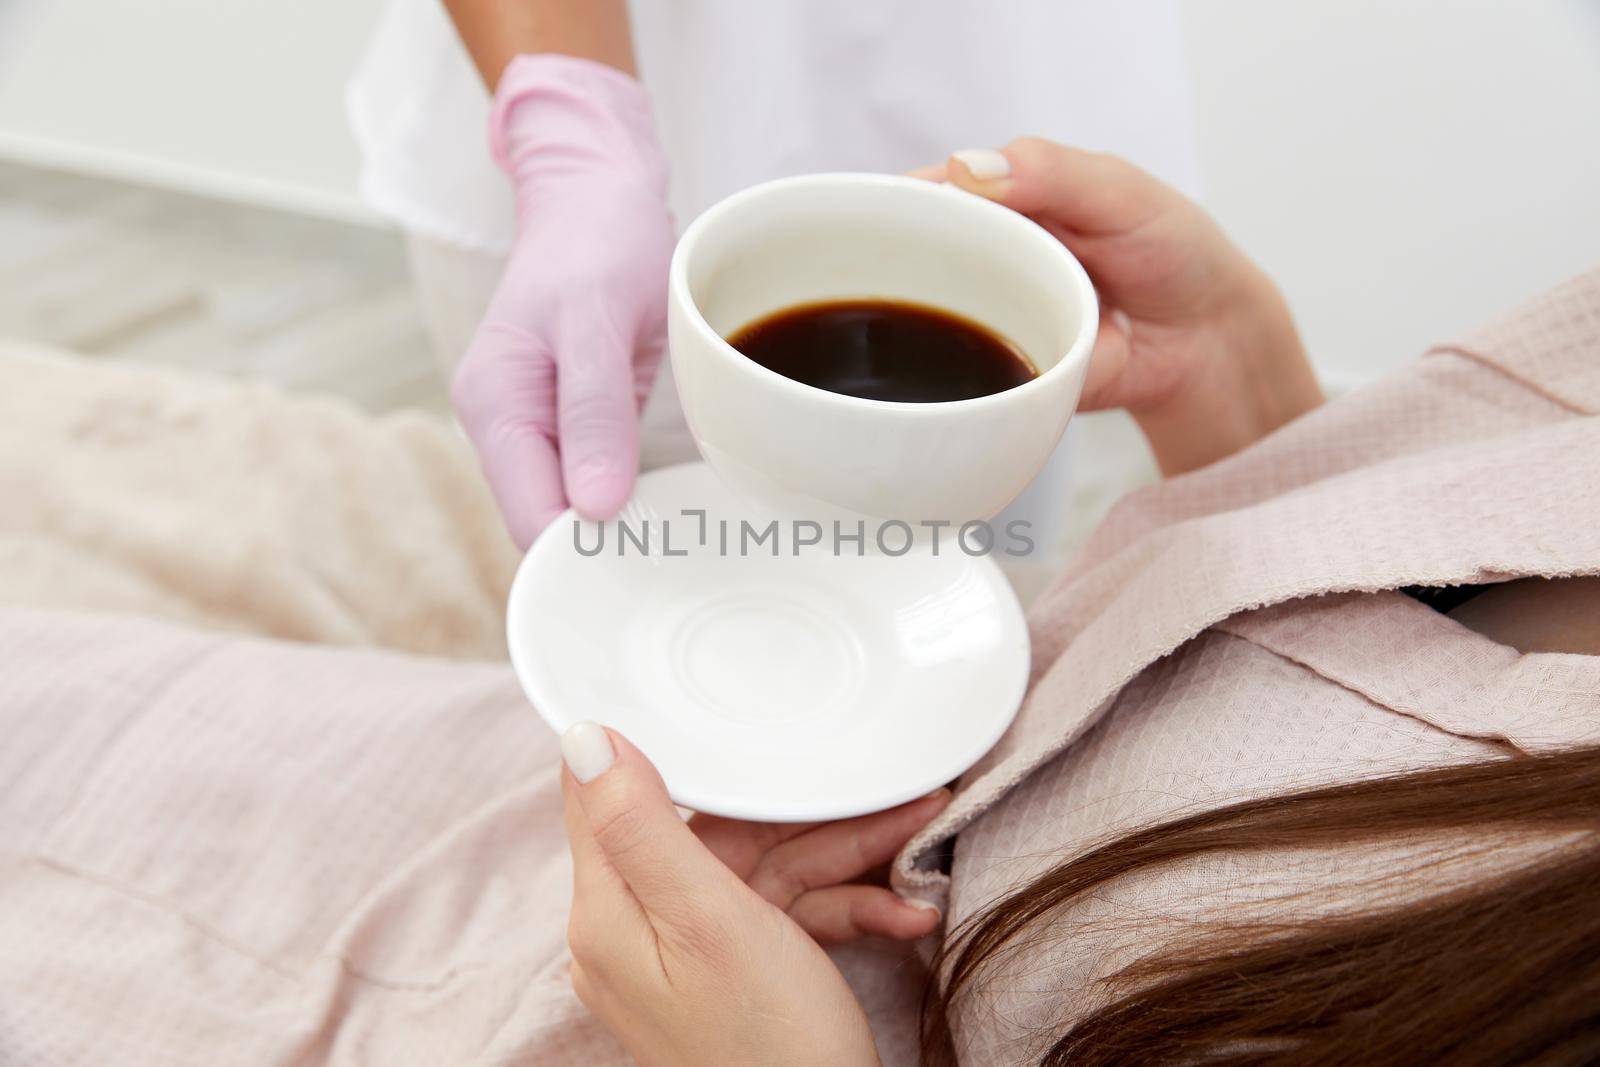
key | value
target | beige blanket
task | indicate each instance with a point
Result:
(241, 508)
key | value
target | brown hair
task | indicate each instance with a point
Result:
(1501, 969)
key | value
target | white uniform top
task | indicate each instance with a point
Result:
(747, 90)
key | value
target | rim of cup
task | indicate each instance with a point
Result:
(1025, 228)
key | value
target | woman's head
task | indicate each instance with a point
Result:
(1482, 952)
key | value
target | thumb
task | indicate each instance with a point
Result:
(627, 823)
(1086, 192)
(1151, 251)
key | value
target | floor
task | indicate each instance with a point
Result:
(119, 271)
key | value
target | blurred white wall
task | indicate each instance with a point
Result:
(1404, 167)
(237, 98)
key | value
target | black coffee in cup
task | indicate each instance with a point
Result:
(884, 350)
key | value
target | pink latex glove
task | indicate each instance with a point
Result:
(551, 386)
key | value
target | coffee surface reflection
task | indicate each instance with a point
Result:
(884, 350)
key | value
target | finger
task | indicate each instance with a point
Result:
(846, 912)
(1150, 250)
(593, 877)
(840, 851)
(1107, 360)
(635, 827)
(646, 365)
(584, 986)
(597, 411)
(1087, 192)
(501, 393)
(933, 172)
(740, 844)
(608, 933)
(524, 474)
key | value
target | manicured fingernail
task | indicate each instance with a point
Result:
(587, 750)
(986, 164)
(923, 905)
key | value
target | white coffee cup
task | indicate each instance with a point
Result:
(797, 450)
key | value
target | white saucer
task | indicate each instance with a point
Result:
(779, 689)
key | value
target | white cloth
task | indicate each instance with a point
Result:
(744, 92)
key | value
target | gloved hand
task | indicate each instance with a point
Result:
(551, 386)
